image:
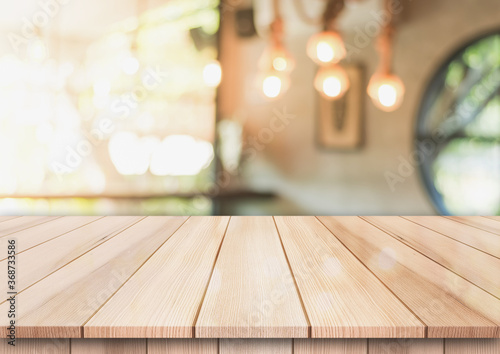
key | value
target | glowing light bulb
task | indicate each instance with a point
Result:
(272, 86)
(130, 65)
(277, 58)
(212, 74)
(37, 50)
(386, 91)
(274, 83)
(326, 48)
(332, 82)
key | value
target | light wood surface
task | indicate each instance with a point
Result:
(251, 293)
(406, 346)
(109, 346)
(400, 269)
(39, 262)
(61, 304)
(337, 306)
(28, 238)
(478, 267)
(255, 346)
(253, 277)
(37, 346)
(163, 298)
(496, 218)
(330, 346)
(183, 346)
(487, 224)
(471, 346)
(24, 222)
(469, 235)
(5, 218)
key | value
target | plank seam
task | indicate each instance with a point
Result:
(74, 259)
(490, 217)
(126, 281)
(13, 217)
(426, 256)
(209, 279)
(385, 285)
(464, 223)
(41, 243)
(309, 327)
(450, 237)
(29, 227)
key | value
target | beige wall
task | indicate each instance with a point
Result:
(329, 182)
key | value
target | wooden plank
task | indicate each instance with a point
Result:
(40, 261)
(479, 222)
(342, 298)
(406, 346)
(183, 346)
(163, 298)
(472, 346)
(330, 346)
(256, 346)
(108, 346)
(61, 303)
(6, 217)
(476, 266)
(496, 218)
(41, 233)
(482, 240)
(251, 293)
(401, 269)
(18, 224)
(38, 346)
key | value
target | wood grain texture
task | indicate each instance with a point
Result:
(406, 346)
(479, 222)
(163, 298)
(61, 303)
(496, 218)
(5, 218)
(41, 233)
(330, 346)
(471, 346)
(482, 240)
(40, 261)
(37, 346)
(183, 346)
(255, 346)
(476, 266)
(401, 268)
(251, 293)
(24, 222)
(342, 298)
(108, 346)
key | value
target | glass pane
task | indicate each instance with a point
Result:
(461, 114)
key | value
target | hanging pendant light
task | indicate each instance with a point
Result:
(327, 49)
(276, 63)
(385, 89)
(331, 82)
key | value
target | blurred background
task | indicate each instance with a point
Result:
(199, 107)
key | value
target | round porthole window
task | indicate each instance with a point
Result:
(458, 131)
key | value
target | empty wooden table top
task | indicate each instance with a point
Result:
(252, 277)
